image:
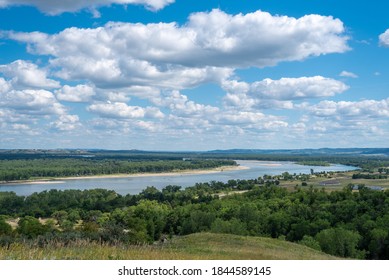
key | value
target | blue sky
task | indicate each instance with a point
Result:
(194, 75)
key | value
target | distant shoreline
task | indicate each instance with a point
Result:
(125, 175)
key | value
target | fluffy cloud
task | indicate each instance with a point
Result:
(384, 39)
(261, 39)
(297, 88)
(351, 110)
(178, 124)
(57, 7)
(187, 114)
(114, 125)
(123, 111)
(252, 120)
(25, 74)
(8, 116)
(180, 105)
(79, 93)
(19, 126)
(27, 110)
(205, 49)
(348, 74)
(184, 116)
(66, 123)
(142, 92)
(32, 102)
(19, 95)
(270, 93)
(355, 122)
(4, 86)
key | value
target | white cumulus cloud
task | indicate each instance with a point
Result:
(280, 93)
(384, 39)
(66, 123)
(180, 105)
(4, 86)
(261, 39)
(79, 93)
(166, 55)
(121, 110)
(32, 102)
(354, 110)
(24, 74)
(254, 118)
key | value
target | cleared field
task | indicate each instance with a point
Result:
(337, 181)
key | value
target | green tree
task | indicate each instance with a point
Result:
(74, 215)
(5, 228)
(31, 227)
(340, 242)
(60, 216)
(379, 245)
(154, 214)
(309, 241)
(278, 224)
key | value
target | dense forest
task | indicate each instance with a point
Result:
(346, 223)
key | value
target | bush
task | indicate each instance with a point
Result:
(310, 242)
(31, 227)
(5, 229)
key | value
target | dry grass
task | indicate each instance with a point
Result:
(225, 246)
(200, 246)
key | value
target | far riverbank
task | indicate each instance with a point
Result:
(54, 180)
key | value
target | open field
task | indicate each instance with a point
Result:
(336, 181)
(199, 246)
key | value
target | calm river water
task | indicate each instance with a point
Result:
(134, 185)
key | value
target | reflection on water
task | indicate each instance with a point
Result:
(134, 185)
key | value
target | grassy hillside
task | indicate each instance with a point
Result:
(200, 246)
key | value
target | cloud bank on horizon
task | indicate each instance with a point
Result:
(217, 80)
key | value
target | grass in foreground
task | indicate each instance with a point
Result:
(199, 246)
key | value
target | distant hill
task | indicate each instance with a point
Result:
(322, 151)
(174, 155)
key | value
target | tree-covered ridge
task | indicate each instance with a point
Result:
(345, 223)
(25, 169)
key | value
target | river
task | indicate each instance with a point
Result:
(134, 185)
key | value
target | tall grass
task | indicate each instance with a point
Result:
(201, 246)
